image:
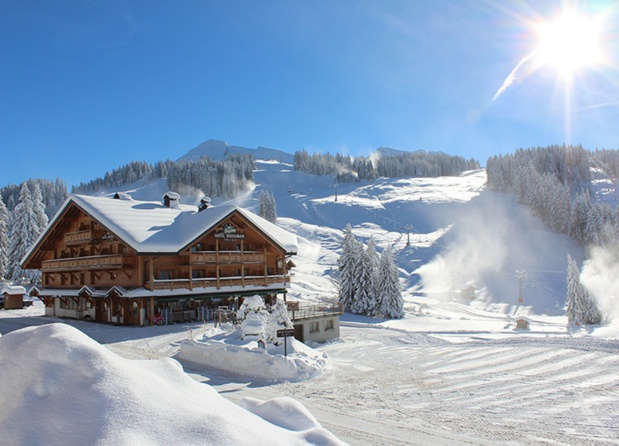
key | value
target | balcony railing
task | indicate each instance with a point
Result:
(175, 284)
(206, 257)
(90, 262)
(75, 238)
(314, 311)
(86, 236)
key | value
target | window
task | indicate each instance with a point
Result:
(314, 327)
(329, 325)
(165, 275)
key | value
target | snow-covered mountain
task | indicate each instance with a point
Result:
(217, 150)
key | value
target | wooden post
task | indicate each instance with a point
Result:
(152, 310)
(217, 262)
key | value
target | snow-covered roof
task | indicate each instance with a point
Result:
(13, 290)
(151, 227)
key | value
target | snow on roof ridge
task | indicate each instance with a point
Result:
(151, 227)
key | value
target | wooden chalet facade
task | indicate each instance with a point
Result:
(133, 262)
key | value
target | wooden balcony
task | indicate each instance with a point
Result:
(90, 262)
(76, 238)
(253, 281)
(228, 257)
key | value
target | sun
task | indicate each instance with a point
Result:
(570, 43)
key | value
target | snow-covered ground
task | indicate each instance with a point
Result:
(437, 378)
(454, 370)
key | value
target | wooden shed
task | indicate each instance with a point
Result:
(13, 297)
(522, 323)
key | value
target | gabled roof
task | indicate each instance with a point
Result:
(151, 227)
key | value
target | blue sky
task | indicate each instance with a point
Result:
(86, 86)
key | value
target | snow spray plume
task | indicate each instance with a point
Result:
(512, 76)
(189, 194)
(491, 239)
(474, 248)
(599, 276)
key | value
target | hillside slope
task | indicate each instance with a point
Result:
(466, 243)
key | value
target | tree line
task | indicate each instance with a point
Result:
(348, 169)
(53, 194)
(220, 178)
(555, 183)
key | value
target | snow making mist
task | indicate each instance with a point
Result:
(473, 248)
(492, 241)
(599, 275)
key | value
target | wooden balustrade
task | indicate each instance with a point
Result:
(175, 284)
(75, 238)
(232, 257)
(90, 262)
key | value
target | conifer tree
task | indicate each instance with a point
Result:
(364, 301)
(266, 207)
(580, 306)
(4, 239)
(24, 231)
(347, 264)
(391, 301)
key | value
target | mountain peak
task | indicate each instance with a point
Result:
(216, 150)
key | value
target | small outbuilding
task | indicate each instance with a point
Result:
(522, 323)
(13, 297)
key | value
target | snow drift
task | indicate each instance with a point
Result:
(61, 387)
(225, 350)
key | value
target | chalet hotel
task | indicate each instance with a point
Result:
(130, 262)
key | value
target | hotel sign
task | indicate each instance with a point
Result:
(229, 233)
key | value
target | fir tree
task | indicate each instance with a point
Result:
(364, 300)
(266, 207)
(24, 231)
(580, 306)
(347, 264)
(4, 239)
(391, 301)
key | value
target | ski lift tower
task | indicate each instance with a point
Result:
(408, 228)
(520, 275)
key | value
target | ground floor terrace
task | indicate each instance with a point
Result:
(145, 307)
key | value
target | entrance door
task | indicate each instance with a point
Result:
(100, 311)
(298, 332)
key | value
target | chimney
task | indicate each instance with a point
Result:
(171, 200)
(205, 202)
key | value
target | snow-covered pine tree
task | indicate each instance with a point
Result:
(374, 258)
(592, 314)
(573, 310)
(579, 216)
(4, 239)
(364, 300)
(347, 264)
(266, 207)
(392, 303)
(24, 231)
(580, 306)
(38, 207)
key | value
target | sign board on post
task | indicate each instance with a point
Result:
(285, 333)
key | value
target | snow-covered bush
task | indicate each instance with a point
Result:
(253, 316)
(278, 320)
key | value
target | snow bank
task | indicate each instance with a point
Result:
(225, 350)
(61, 387)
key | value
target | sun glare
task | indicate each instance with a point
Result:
(570, 43)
